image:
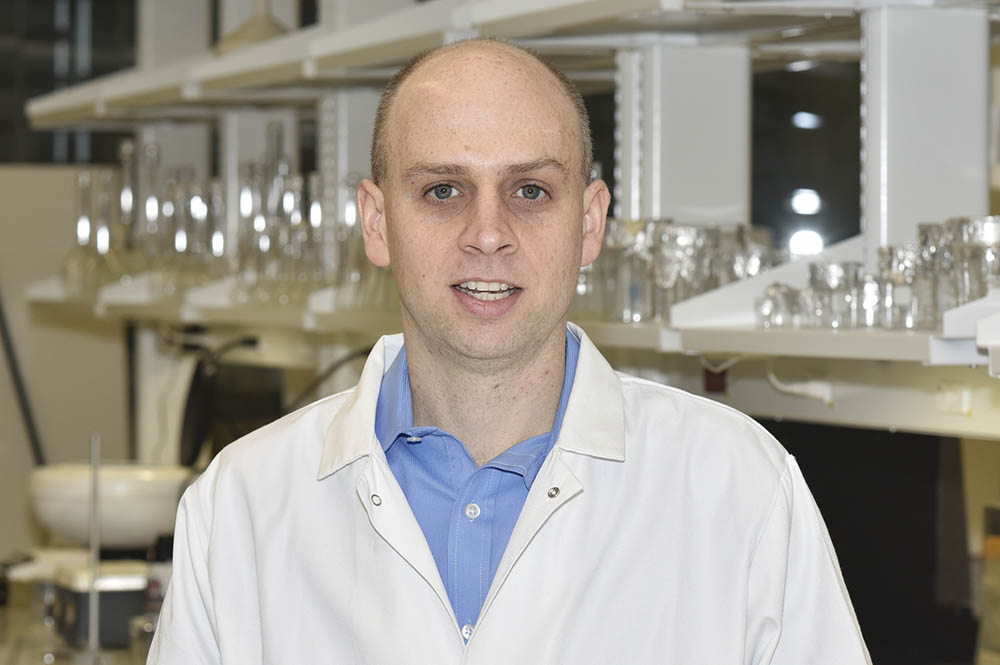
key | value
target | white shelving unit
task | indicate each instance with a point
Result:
(588, 38)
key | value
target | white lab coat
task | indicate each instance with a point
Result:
(662, 528)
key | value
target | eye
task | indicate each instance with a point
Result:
(531, 192)
(442, 192)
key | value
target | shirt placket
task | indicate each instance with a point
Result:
(471, 546)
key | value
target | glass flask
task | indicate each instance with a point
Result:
(148, 236)
(221, 259)
(79, 269)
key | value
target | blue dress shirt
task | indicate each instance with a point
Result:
(467, 513)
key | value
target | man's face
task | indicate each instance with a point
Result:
(483, 217)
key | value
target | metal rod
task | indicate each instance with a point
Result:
(94, 625)
(19, 389)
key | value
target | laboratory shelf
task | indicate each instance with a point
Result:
(647, 336)
(581, 36)
(860, 344)
(332, 311)
(50, 294)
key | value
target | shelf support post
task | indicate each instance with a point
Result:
(924, 119)
(682, 140)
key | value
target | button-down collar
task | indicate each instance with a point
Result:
(588, 429)
(394, 417)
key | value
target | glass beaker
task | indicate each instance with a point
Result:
(899, 267)
(833, 293)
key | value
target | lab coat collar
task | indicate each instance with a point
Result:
(594, 423)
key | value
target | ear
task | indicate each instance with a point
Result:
(596, 199)
(371, 206)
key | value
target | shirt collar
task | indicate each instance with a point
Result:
(586, 429)
(394, 409)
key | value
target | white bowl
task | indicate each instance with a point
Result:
(138, 502)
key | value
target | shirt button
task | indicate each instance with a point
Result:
(472, 511)
(413, 439)
(467, 631)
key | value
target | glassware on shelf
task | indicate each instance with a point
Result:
(935, 284)
(832, 294)
(124, 228)
(743, 252)
(79, 269)
(222, 254)
(870, 302)
(779, 307)
(148, 234)
(109, 266)
(193, 234)
(976, 243)
(309, 237)
(253, 238)
(902, 273)
(685, 263)
(588, 301)
(627, 262)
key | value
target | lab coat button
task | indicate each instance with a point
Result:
(553, 492)
(467, 631)
(376, 499)
(472, 511)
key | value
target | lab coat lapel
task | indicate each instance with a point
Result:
(593, 427)
(351, 437)
(390, 515)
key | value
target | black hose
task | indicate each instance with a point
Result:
(19, 389)
(324, 375)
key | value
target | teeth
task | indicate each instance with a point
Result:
(492, 287)
(486, 291)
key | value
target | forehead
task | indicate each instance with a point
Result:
(485, 104)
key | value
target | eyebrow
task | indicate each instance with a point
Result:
(425, 168)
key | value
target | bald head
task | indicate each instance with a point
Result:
(489, 57)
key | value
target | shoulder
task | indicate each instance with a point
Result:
(666, 422)
(277, 453)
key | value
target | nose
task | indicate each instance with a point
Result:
(487, 228)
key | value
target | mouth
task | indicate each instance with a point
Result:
(486, 291)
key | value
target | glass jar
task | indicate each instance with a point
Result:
(832, 293)
(626, 261)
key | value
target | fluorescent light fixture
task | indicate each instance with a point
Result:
(800, 65)
(350, 213)
(315, 214)
(103, 240)
(218, 243)
(805, 242)
(199, 209)
(805, 201)
(126, 200)
(807, 120)
(180, 241)
(83, 230)
(246, 202)
(152, 208)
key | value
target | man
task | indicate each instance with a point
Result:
(493, 492)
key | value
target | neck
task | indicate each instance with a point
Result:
(492, 404)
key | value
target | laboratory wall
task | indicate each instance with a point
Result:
(73, 368)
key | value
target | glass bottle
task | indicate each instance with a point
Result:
(79, 267)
